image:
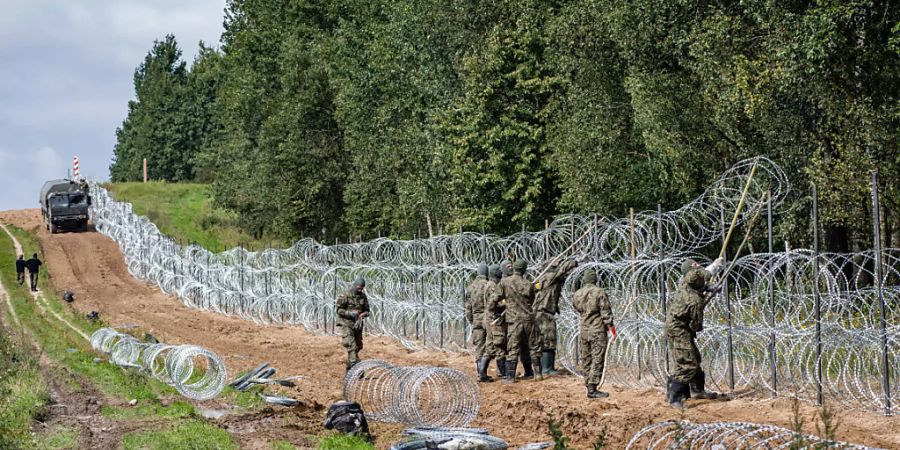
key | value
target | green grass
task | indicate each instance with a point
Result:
(176, 410)
(343, 442)
(23, 393)
(188, 435)
(247, 400)
(184, 212)
(282, 445)
(59, 438)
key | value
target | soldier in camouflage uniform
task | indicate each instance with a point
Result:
(546, 306)
(352, 308)
(506, 269)
(684, 319)
(475, 316)
(521, 335)
(495, 322)
(592, 304)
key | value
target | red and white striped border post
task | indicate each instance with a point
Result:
(75, 163)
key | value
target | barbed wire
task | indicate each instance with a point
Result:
(728, 435)
(174, 365)
(417, 396)
(416, 288)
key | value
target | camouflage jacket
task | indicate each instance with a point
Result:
(546, 297)
(349, 306)
(475, 300)
(684, 315)
(519, 296)
(592, 304)
(493, 301)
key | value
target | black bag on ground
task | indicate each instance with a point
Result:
(348, 418)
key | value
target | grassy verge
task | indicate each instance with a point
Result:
(23, 393)
(343, 442)
(184, 211)
(194, 435)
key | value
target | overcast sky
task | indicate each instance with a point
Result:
(66, 72)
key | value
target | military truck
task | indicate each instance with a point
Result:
(65, 204)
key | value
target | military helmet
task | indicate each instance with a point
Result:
(687, 266)
(589, 277)
(483, 270)
(506, 268)
(494, 271)
(520, 266)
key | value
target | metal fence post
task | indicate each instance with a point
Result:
(441, 317)
(816, 296)
(662, 279)
(879, 289)
(772, 349)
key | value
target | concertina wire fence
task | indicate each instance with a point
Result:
(763, 334)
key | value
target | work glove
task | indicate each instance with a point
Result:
(716, 265)
(354, 315)
(612, 330)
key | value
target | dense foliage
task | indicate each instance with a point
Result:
(338, 117)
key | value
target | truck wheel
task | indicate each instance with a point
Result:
(53, 228)
(84, 226)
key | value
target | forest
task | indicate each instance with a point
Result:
(404, 118)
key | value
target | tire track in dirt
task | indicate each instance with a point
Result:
(91, 266)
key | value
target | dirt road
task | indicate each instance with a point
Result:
(91, 265)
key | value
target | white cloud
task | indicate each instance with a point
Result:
(66, 79)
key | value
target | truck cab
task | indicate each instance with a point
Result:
(65, 205)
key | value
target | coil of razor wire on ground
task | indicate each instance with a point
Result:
(442, 437)
(175, 365)
(416, 291)
(417, 396)
(727, 435)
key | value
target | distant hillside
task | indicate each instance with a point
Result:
(185, 212)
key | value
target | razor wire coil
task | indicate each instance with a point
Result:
(434, 397)
(728, 435)
(416, 290)
(175, 365)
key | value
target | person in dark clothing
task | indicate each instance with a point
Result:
(34, 265)
(20, 269)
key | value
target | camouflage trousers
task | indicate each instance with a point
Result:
(546, 325)
(352, 340)
(479, 339)
(592, 354)
(497, 334)
(685, 359)
(523, 338)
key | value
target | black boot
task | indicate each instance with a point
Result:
(592, 392)
(529, 370)
(501, 368)
(698, 388)
(548, 358)
(676, 393)
(482, 366)
(510, 371)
